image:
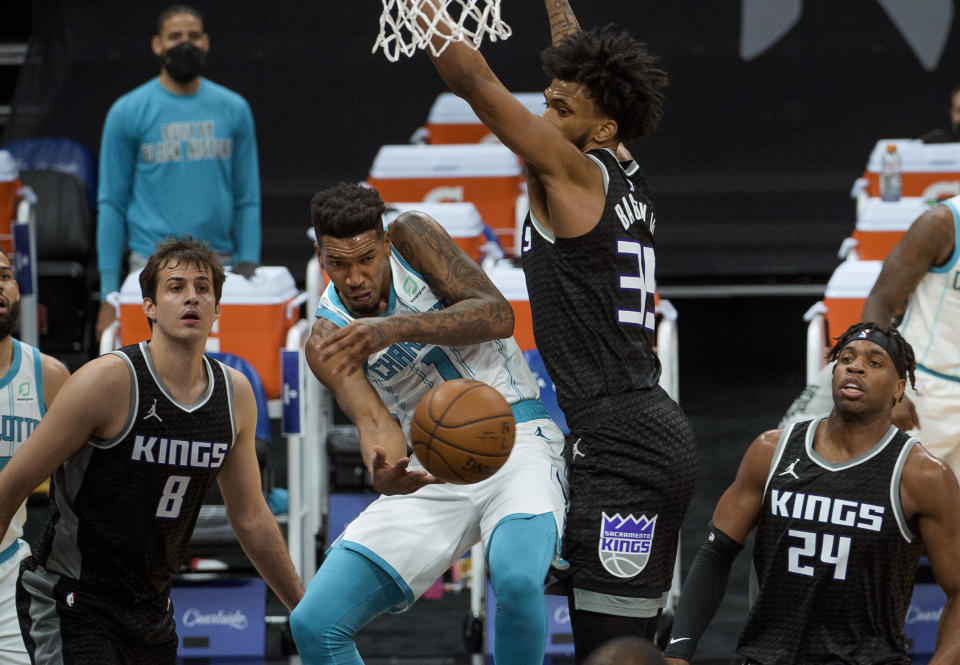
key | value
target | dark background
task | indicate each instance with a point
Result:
(751, 166)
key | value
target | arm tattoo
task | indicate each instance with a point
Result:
(381, 336)
(563, 23)
(476, 307)
(453, 275)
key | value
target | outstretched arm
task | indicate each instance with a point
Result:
(734, 517)
(251, 519)
(927, 243)
(564, 184)
(538, 143)
(476, 311)
(930, 494)
(92, 403)
(382, 444)
(562, 21)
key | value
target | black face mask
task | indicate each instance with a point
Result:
(184, 62)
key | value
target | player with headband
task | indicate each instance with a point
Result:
(843, 507)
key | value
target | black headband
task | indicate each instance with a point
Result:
(884, 340)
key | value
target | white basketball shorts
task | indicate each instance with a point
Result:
(422, 534)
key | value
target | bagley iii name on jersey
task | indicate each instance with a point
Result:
(629, 210)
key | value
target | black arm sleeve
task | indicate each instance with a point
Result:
(702, 593)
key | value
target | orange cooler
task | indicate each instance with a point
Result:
(847, 289)
(9, 198)
(486, 175)
(451, 120)
(927, 169)
(253, 324)
(881, 224)
(513, 286)
(461, 220)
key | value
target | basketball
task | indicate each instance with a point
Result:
(462, 431)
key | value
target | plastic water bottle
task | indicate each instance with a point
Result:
(890, 185)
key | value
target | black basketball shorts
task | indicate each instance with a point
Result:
(632, 466)
(64, 623)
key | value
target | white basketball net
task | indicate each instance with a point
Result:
(406, 26)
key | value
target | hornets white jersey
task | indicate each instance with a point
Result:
(932, 320)
(21, 408)
(405, 371)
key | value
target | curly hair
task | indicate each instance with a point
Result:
(904, 351)
(618, 71)
(345, 210)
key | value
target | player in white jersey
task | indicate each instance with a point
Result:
(411, 310)
(498, 363)
(920, 281)
(29, 380)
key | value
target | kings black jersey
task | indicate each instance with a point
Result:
(592, 297)
(834, 557)
(125, 508)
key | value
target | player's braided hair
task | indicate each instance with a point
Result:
(904, 351)
(346, 210)
(618, 71)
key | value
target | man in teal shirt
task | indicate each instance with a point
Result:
(178, 155)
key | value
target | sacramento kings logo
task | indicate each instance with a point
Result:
(625, 543)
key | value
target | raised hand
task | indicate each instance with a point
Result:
(562, 20)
